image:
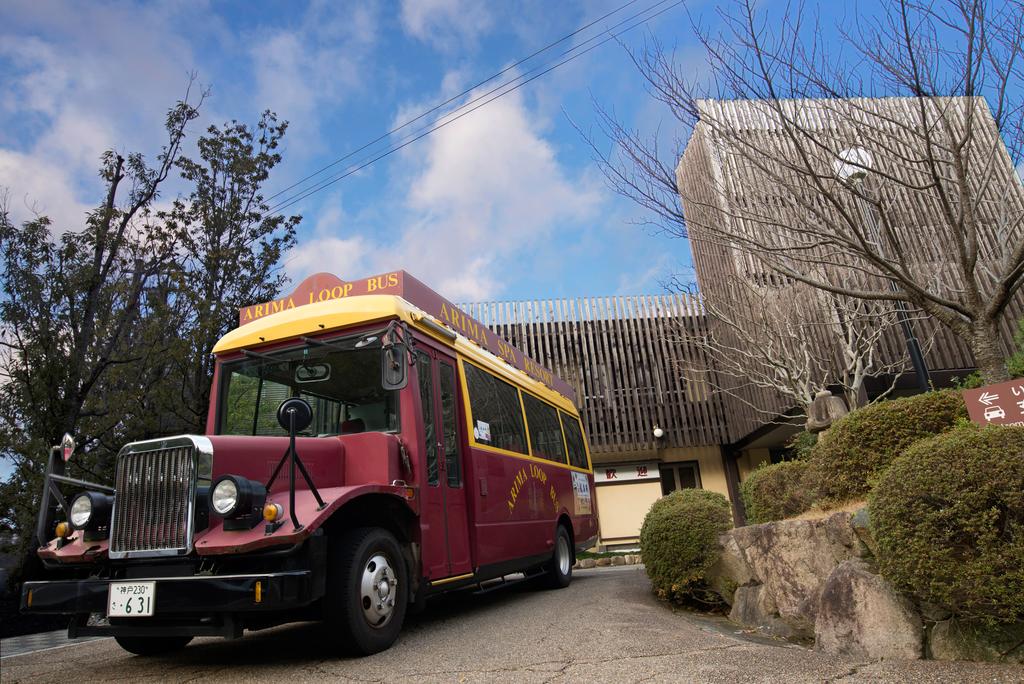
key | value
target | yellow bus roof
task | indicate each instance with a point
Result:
(336, 314)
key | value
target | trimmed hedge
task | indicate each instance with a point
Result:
(850, 456)
(802, 443)
(948, 517)
(777, 491)
(679, 540)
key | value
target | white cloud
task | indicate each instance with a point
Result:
(39, 187)
(489, 191)
(477, 198)
(447, 24)
(326, 249)
(82, 79)
(299, 72)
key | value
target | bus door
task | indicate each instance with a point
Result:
(446, 534)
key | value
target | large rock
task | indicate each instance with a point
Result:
(730, 571)
(753, 606)
(861, 525)
(954, 640)
(794, 558)
(861, 615)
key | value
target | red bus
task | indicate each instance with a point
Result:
(368, 445)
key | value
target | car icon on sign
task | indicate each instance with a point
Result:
(993, 412)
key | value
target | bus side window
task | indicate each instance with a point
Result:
(574, 440)
(545, 432)
(451, 444)
(427, 406)
(496, 412)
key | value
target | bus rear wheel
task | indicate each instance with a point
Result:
(152, 646)
(559, 571)
(367, 591)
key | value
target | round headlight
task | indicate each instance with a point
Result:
(224, 497)
(81, 511)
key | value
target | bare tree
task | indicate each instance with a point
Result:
(793, 341)
(813, 161)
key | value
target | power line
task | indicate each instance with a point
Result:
(287, 202)
(452, 99)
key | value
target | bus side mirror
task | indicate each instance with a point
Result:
(394, 370)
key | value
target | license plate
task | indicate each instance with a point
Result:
(131, 599)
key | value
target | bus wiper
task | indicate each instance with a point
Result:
(321, 343)
(265, 357)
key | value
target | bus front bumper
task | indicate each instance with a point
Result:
(199, 605)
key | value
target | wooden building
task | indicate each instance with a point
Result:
(753, 174)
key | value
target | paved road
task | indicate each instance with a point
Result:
(605, 627)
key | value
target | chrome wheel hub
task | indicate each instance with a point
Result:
(378, 591)
(563, 555)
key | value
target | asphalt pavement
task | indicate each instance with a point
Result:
(605, 627)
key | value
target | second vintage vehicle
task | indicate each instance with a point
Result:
(368, 445)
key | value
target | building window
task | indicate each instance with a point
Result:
(679, 476)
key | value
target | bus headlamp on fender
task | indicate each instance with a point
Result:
(238, 501)
(90, 512)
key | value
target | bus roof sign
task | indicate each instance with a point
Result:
(322, 287)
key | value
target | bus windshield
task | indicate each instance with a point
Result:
(341, 382)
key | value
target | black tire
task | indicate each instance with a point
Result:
(558, 573)
(152, 646)
(355, 623)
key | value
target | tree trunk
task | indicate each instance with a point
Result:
(988, 352)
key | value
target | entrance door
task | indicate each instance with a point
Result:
(446, 534)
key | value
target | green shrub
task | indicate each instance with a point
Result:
(851, 455)
(972, 381)
(1015, 364)
(802, 443)
(777, 491)
(679, 540)
(948, 517)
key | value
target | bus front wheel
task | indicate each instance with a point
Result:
(559, 571)
(367, 590)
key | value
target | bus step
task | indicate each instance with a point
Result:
(500, 583)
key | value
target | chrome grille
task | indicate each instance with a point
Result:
(153, 505)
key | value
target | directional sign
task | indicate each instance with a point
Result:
(987, 398)
(1001, 404)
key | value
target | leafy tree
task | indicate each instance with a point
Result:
(106, 331)
(70, 309)
(232, 249)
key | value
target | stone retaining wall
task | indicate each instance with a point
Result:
(816, 579)
(627, 559)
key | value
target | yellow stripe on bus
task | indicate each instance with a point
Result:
(456, 578)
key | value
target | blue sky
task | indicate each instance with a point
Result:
(504, 204)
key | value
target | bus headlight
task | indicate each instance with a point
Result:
(81, 511)
(237, 499)
(224, 497)
(90, 511)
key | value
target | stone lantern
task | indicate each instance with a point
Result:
(825, 410)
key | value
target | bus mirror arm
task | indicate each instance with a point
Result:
(396, 345)
(295, 414)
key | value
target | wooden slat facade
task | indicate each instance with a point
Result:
(621, 356)
(721, 186)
